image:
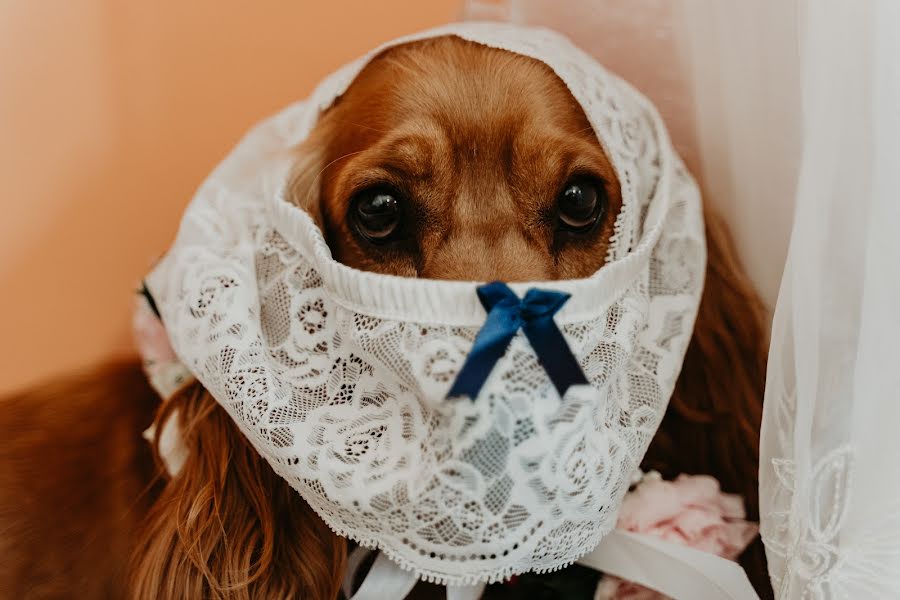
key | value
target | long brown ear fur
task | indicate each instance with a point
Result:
(305, 178)
(712, 425)
(227, 526)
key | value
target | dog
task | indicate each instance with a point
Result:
(444, 159)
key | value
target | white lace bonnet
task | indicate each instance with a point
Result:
(339, 378)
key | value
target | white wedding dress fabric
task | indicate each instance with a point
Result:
(787, 112)
(829, 486)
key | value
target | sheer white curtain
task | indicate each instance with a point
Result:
(748, 89)
(829, 484)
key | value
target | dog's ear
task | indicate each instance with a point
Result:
(226, 525)
(305, 178)
(712, 424)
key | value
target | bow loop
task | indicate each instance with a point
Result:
(496, 294)
(506, 315)
(539, 303)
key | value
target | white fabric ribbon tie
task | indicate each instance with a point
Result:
(680, 572)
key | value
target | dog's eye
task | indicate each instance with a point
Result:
(376, 213)
(581, 204)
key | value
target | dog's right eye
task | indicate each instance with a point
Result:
(581, 204)
(376, 214)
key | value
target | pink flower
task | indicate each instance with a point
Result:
(150, 335)
(691, 511)
(161, 365)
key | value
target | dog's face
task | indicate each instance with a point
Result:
(451, 160)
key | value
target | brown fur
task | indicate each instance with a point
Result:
(74, 481)
(481, 140)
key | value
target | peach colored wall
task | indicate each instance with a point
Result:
(111, 113)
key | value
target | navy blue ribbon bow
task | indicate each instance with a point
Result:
(506, 314)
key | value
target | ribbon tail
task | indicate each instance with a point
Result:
(489, 347)
(679, 572)
(554, 353)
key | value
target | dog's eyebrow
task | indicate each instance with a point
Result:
(411, 154)
(395, 160)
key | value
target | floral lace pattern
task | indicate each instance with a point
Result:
(815, 558)
(345, 397)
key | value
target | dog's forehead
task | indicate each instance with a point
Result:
(468, 94)
(573, 72)
(425, 101)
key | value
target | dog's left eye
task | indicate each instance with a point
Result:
(581, 203)
(376, 214)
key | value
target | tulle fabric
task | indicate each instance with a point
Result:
(830, 497)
